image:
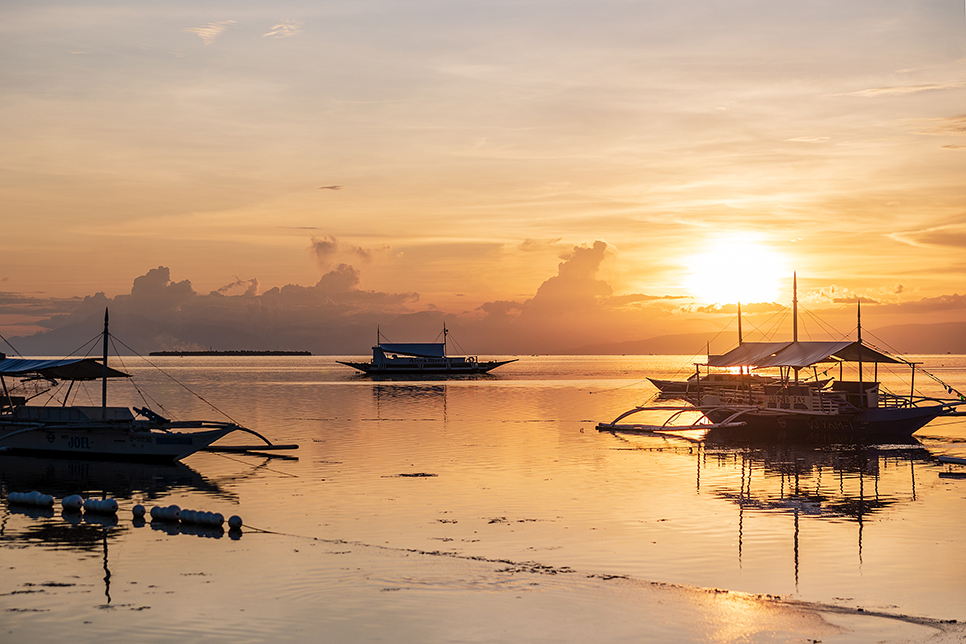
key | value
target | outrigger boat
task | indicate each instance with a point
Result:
(421, 358)
(97, 432)
(792, 411)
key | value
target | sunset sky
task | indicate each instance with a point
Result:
(455, 154)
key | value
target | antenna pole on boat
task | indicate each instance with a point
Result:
(858, 314)
(795, 314)
(104, 379)
(739, 324)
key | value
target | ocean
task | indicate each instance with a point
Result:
(486, 509)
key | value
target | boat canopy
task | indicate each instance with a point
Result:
(797, 354)
(420, 349)
(60, 369)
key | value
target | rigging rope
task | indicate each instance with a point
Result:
(179, 383)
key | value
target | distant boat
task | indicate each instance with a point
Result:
(421, 358)
(95, 432)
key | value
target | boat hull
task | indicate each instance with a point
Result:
(864, 427)
(426, 369)
(105, 441)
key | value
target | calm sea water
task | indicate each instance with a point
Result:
(430, 510)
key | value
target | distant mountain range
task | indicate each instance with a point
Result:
(904, 339)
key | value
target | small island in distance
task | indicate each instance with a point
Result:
(229, 353)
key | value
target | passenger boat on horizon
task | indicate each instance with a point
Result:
(792, 411)
(97, 432)
(421, 358)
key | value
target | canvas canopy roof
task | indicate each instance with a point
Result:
(421, 349)
(797, 354)
(60, 369)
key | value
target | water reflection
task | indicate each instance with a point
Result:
(86, 533)
(853, 483)
(62, 477)
(389, 393)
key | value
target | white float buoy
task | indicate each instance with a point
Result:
(234, 521)
(156, 513)
(172, 513)
(72, 502)
(34, 498)
(100, 506)
(138, 511)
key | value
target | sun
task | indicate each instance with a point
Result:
(736, 268)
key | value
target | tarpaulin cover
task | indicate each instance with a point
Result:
(60, 369)
(747, 354)
(797, 354)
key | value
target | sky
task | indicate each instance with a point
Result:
(545, 174)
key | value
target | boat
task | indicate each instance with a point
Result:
(421, 358)
(96, 432)
(849, 411)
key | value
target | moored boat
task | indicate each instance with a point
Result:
(96, 432)
(421, 358)
(849, 411)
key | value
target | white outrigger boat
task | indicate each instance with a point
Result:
(420, 358)
(98, 432)
(793, 411)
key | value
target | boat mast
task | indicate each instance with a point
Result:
(858, 313)
(104, 379)
(739, 324)
(795, 314)
(445, 331)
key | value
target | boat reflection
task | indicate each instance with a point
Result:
(62, 477)
(854, 484)
(851, 483)
(87, 533)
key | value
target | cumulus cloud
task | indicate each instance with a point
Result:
(332, 316)
(324, 250)
(286, 29)
(248, 288)
(211, 31)
(575, 284)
